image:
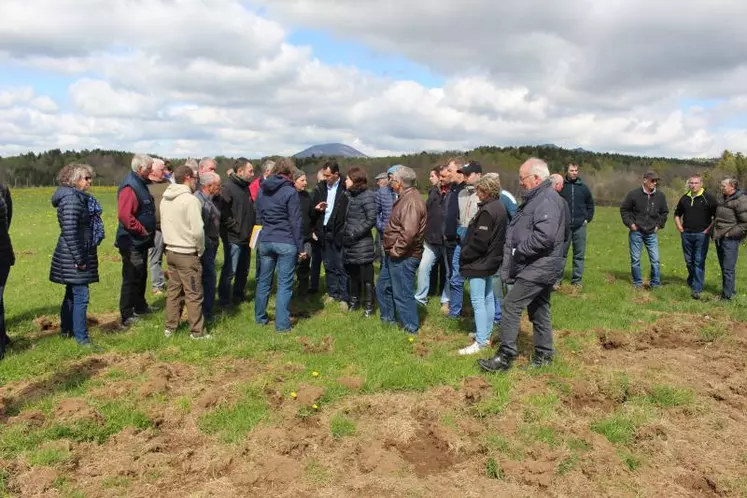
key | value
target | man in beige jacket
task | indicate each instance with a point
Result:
(183, 236)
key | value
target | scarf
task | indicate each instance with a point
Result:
(97, 225)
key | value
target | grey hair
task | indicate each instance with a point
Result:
(298, 174)
(206, 160)
(77, 173)
(192, 164)
(406, 176)
(157, 161)
(267, 166)
(141, 161)
(731, 180)
(209, 178)
(490, 183)
(556, 179)
(538, 167)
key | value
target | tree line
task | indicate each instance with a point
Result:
(609, 175)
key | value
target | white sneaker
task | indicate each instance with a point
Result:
(200, 337)
(472, 335)
(167, 333)
(473, 348)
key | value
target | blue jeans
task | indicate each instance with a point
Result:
(456, 282)
(636, 241)
(236, 269)
(4, 272)
(73, 312)
(728, 252)
(431, 255)
(695, 248)
(483, 304)
(395, 291)
(498, 294)
(578, 241)
(283, 256)
(209, 277)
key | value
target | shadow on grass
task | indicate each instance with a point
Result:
(74, 376)
(666, 280)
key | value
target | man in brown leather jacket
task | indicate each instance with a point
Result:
(403, 248)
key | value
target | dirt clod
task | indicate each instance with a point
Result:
(352, 383)
(308, 395)
(73, 410)
(475, 389)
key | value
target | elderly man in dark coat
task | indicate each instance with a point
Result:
(532, 261)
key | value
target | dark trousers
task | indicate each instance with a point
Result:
(303, 272)
(695, 249)
(4, 271)
(74, 311)
(134, 281)
(337, 279)
(536, 299)
(728, 252)
(437, 278)
(209, 279)
(358, 277)
(317, 256)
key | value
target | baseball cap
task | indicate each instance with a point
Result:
(393, 169)
(381, 176)
(651, 175)
(470, 167)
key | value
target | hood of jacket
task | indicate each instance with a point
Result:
(175, 190)
(62, 192)
(274, 183)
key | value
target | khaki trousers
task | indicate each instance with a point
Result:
(185, 285)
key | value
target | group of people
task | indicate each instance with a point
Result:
(511, 255)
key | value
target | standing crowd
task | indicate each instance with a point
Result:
(468, 230)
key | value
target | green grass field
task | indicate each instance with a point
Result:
(647, 395)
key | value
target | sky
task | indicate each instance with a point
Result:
(262, 77)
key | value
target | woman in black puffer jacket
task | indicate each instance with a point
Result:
(75, 260)
(358, 241)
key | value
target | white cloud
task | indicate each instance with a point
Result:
(189, 77)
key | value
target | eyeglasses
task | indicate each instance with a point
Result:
(522, 178)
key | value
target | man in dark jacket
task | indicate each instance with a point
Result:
(7, 258)
(403, 248)
(694, 216)
(330, 202)
(644, 211)
(532, 259)
(208, 191)
(455, 180)
(729, 229)
(433, 249)
(237, 220)
(581, 204)
(136, 212)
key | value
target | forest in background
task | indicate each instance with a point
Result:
(609, 175)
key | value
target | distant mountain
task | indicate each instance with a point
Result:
(329, 150)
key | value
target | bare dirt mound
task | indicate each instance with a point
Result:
(73, 410)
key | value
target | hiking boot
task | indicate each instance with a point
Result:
(539, 360)
(130, 321)
(501, 362)
(66, 334)
(369, 300)
(695, 295)
(354, 304)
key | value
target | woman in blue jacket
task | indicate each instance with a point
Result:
(75, 261)
(280, 242)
